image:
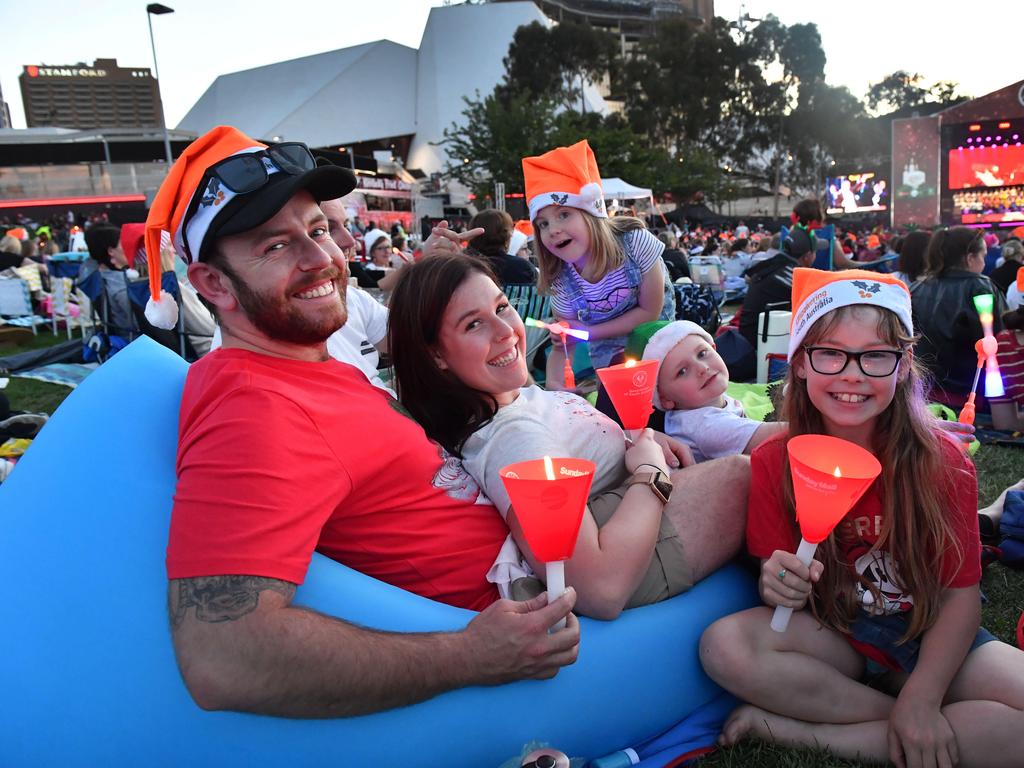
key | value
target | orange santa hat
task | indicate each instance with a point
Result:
(817, 292)
(564, 176)
(172, 201)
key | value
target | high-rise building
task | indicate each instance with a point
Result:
(5, 111)
(79, 96)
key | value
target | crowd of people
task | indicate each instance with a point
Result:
(885, 658)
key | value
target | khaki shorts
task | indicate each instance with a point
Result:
(667, 575)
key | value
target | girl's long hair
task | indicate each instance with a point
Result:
(915, 529)
(447, 409)
(606, 252)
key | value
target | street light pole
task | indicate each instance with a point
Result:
(156, 9)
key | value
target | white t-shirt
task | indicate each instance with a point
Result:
(540, 423)
(353, 343)
(712, 432)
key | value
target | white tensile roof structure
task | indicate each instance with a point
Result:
(324, 99)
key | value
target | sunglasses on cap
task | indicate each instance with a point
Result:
(246, 173)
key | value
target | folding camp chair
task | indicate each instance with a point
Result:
(16, 305)
(61, 307)
(138, 295)
(529, 303)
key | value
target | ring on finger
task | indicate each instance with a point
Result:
(782, 575)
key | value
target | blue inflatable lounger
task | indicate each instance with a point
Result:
(88, 670)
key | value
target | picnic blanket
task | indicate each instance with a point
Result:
(67, 374)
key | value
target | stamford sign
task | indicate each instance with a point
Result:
(64, 72)
(33, 71)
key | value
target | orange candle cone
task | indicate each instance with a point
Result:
(549, 502)
(829, 477)
(630, 385)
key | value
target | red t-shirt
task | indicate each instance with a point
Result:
(769, 527)
(279, 457)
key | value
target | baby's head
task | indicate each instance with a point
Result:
(691, 373)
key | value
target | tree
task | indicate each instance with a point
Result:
(555, 62)
(495, 135)
(902, 91)
(683, 87)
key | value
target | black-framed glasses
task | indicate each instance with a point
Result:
(877, 363)
(247, 173)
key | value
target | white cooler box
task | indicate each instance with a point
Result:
(772, 340)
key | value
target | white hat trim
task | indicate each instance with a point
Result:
(845, 293)
(590, 198)
(665, 340)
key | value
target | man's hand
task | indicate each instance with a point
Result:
(444, 240)
(677, 454)
(510, 640)
(958, 430)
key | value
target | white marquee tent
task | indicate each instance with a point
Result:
(617, 189)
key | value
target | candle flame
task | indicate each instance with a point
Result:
(837, 473)
(630, 363)
(549, 468)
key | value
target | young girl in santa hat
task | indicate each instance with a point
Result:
(605, 275)
(892, 597)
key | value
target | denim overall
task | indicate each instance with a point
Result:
(603, 350)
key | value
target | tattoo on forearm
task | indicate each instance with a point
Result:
(220, 598)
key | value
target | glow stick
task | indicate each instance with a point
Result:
(993, 381)
(558, 328)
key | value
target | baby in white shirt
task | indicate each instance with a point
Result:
(692, 378)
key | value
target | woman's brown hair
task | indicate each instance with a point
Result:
(448, 410)
(949, 249)
(915, 530)
(606, 252)
(497, 226)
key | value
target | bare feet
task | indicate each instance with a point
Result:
(748, 721)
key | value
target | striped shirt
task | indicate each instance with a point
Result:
(1011, 365)
(612, 289)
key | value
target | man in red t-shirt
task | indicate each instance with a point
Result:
(283, 451)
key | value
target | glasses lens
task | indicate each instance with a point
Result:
(243, 173)
(827, 361)
(879, 363)
(293, 157)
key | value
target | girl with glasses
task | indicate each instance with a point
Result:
(884, 659)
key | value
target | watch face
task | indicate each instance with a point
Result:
(664, 488)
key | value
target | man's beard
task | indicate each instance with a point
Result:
(278, 319)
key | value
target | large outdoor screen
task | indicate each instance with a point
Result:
(989, 206)
(856, 193)
(986, 166)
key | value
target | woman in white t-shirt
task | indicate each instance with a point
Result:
(458, 349)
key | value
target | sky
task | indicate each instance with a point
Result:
(202, 39)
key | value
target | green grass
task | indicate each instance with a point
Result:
(30, 395)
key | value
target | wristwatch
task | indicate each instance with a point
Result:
(657, 481)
